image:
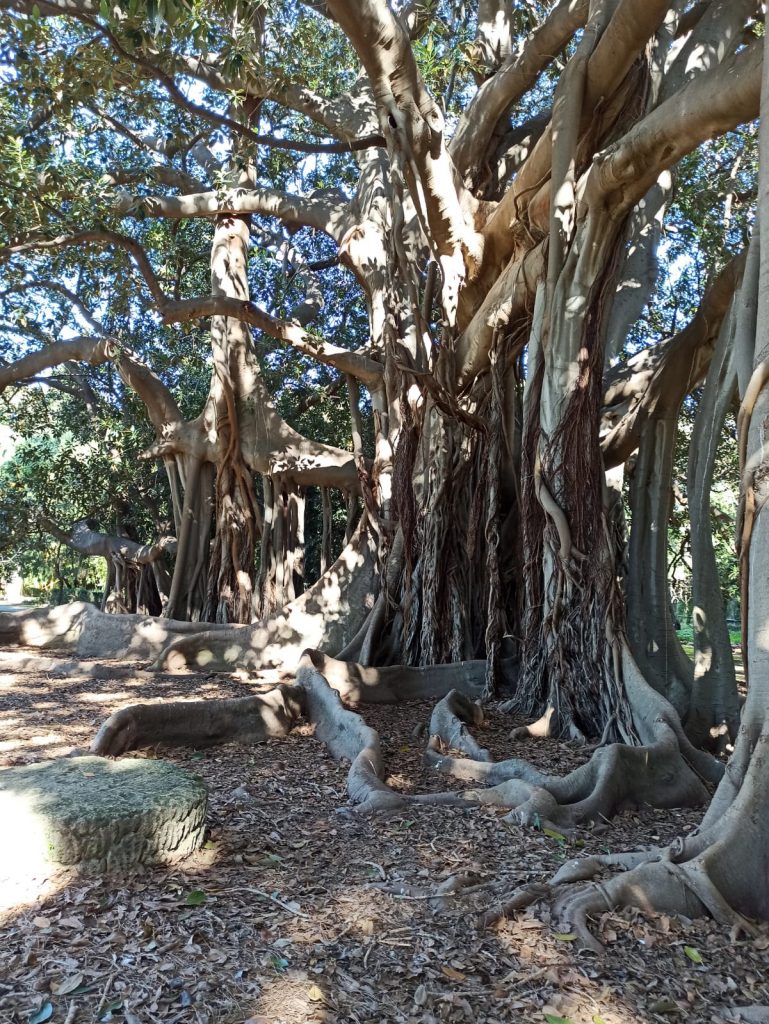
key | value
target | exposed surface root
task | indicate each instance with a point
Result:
(616, 776)
(200, 723)
(537, 730)
(347, 736)
(358, 684)
(83, 630)
(327, 616)
(348, 884)
(654, 886)
(710, 872)
(448, 725)
(252, 719)
(666, 771)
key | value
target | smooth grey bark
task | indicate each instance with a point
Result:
(714, 698)
(650, 629)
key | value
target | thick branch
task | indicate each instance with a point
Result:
(355, 363)
(413, 123)
(710, 105)
(83, 349)
(100, 237)
(665, 373)
(514, 78)
(80, 537)
(323, 212)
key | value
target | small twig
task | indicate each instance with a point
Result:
(105, 990)
(71, 1013)
(266, 896)
(339, 935)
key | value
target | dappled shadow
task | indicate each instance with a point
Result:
(284, 915)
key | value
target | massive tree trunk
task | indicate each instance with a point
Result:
(237, 519)
(721, 869)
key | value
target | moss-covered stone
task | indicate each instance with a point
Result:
(100, 815)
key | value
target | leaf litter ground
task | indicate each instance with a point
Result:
(299, 911)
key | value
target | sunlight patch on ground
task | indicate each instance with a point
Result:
(295, 997)
(103, 696)
(25, 873)
(32, 741)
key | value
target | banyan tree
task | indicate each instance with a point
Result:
(493, 182)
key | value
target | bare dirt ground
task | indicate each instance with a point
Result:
(299, 911)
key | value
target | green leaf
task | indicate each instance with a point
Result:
(195, 899)
(597, 1020)
(694, 954)
(663, 1005)
(104, 9)
(554, 835)
(565, 936)
(110, 1008)
(551, 1018)
(35, 12)
(44, 1013)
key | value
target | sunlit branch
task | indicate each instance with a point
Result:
(100, 237)
(513, 79)
(320, 212)
(355, 363)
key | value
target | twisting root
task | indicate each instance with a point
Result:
(448, 725)
(519, 900)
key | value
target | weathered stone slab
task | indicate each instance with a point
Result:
(99, 815)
